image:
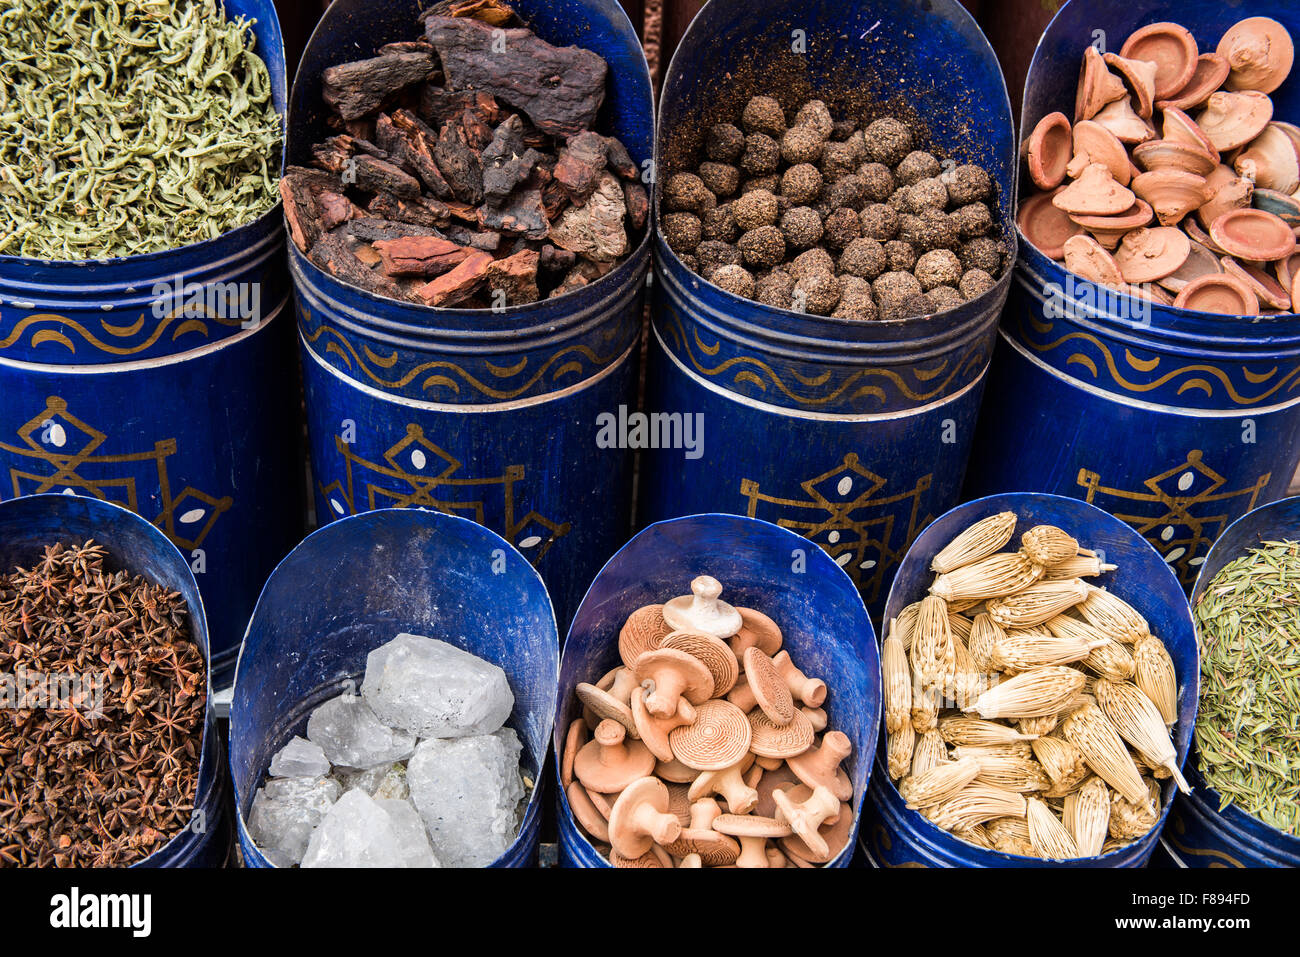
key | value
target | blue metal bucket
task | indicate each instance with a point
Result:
(424, 573)
(30, 523)
(109, 392)
(893, 835)
(1198, 833)
(819, 610)
(1178, 422)
(489, 415)
(855, 434)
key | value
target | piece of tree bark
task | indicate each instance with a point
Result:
(459, 284)
(425, 256)
(360, 87)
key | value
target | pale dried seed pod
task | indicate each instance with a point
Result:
(1048, 835)
(1080, 566)
(1010, 835)
(1138, 721)
(1037, 603)
(1014, 774)
(969, 682)
(973, 731)
(1063, 763)
(979, 541)
(1159, 772)
(1049, 545)
(984, 636)
(929, 751)
(932, 652)
(925, 709)
(960, 625)
(1113, 616)
(1040, 726)
(968, 608)
(975, 804)
(1033, 694)
(899, 754)
(1086, 816)
(1015, 749)
(1129, 820)
(1102, 747)
(904, 625)
(939, 784)
(1002, 574)
(1108, 657)
(1022, 650)
(897, 684)
(975, 835)
(1154, 673)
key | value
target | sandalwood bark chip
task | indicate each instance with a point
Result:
(355, 89)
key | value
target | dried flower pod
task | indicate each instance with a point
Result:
(1086, 816)
(1154, 674)
(959, 624)
(897, 685)
(1045, 724)
(1037, 603)
(1113, 616)
(976, 835)
(968, 681)
(979, 541)
(904, 625)
(1016, 749)
(1022, 650)
(1129, 820)
(973, 731)
(975, 804)
(932, 654)
(1010, 835)
(900, 746)
(939, 784)
(1048, 835)
(1049, 545)
(1138, 721)
(925, 709)
(994, 577)
(928, 752)
(1107, 658)
(1014, 774)
(984, 636)
(1102, 747)
(1079, 566)
(1063, 763)
(1032, 694)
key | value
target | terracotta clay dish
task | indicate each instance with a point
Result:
(674, 674)
(771, 740)
(654, 730)
(713, 652)
(1287, 269)
(1270, 293)
(1122, 120)
(1109, 230)
(1150, 292)
(1172, 193)
(717, 739)
(1200, 262)
(1171, 48)
(1172, 154)
(1146, 255)
(1049, 150)
(821, 765)
(609, 763)
(1181, 128)
(1271, 161)
(1086, 258)
(756, 629)
(1140, 76)
(1227, 191)
(640, 819)
(1097, 86)
(1222, 294)
(703, 610)
(768, 687)
(1211, 71)
(1259, 52)
(1285, 208)
(1093, 143)
(642, 632)
(1231, 120)
(1199, 235)
(1254, 235)
(1044, 226)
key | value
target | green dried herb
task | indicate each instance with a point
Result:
(1248, 727)
(130, 126)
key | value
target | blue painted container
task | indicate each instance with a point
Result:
(424, 573)
(30, 523)
(854, 434)
(1198, 833)
(1178, 422)
(489, 415)
(893, 835)
(106, 390)
(819, 610)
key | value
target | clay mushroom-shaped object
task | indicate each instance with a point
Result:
(771, 740)
(1093, 143)
(1044, 226)
(756, 629)
(1173, 154)
(608, 763)
(1181, 128)
(1211, 71)
(742, 696)
(574, 739)
(1094, 193)
(816, 717)
(1227, 191)
(605, 706)
(1146, 255)
(769, 689)
(1120, 118)
(691, 861)
(769, 783)
(1097, 86)
(821, 765)
(700, 839)
(640, 818)
(673, 674)
(730, 784)
(1172, 193)
(644, 629)
(753, 832)
(713, 652)
(1259, 52)
(1048, 150)
(1271, 161)
(647, 860)
(585, 812)
(1234, 119)
(1285, 208)
(675, 772)
(654, 730)
(718, 738)
(1109, 230)
(809, 691)
(1222, 294)
(1085, 257)
(805, 815)
(1200, 262)
(1254, 235)
(703, 610)
(1140, 75)
(835, 833)
(1270, 293)
(1171, 48)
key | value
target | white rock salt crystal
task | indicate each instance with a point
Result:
(350, 734)
(411, 835)
(435, 690)
(300, 758)
(356, 832)
(468, 793)
(381, 781)
(284, 814)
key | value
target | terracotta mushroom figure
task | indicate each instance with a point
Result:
(716, 655)
(730, 784)
(820, 766)
(753, 832)
(768, 687)
(672, 675)
(605, 706)
(700, 839)
(644, 629)
(775, 741)
(717, 739)
(654, 730)
(609, 763)
(703, 610)
(805, 811)
(809, 691)
(584, 810)
(756, 629)
(640, 818)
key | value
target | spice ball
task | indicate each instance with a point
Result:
(770, 182)
(755, 208)
(888, 141)
(944, 297)
(981, 253)
(968, 184)
(838, 159)
(878, 182)
(734, 279)
(849, 190)
(724, 143)
(814, 260)
(841, 228)
(856, 301)
(683, 232)
(938, 267)
(900, 256)
(720, 223)
(762, 155)
(975, 282)
(721, 179)
(776, 288)
(816, 116)
(916, 166)
(925, 194)
(802, 183)
(896, 286)
(711, 253)
(878, 222)
(763, 114)
(863, 258)
(971, 220)
(819, 291)
(936, 230)
(685, 192)
(764, 246)
(802, 227)
(802, 144)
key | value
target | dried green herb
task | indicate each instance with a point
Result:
(1248, 727)
(130, 126)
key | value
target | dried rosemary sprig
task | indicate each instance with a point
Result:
(1248, 727)
(130, 126)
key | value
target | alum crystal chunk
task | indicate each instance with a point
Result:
(468, 792)
(411, 835)
(285, 812)
(434, 690)
(350, 734)
(300, 758)
(356, 832)
(383, 781)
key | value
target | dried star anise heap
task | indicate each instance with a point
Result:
(77, 787)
